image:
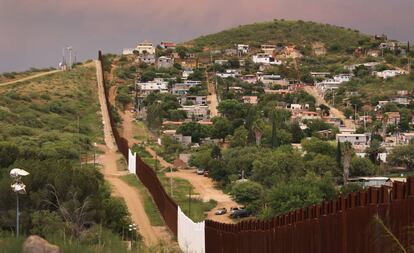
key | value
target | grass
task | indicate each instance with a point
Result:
(141, 132)
(121, 164)
(195, 208)
(149, 205)
(41, 115)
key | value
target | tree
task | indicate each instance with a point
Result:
(221, 128)
(248, 193)
(297, 133)
(274, 141)
(402, 156)
(182, 51)
(374, 150)
(123, 99)
(315, 145)
(300, 192)
(195, 130)
(232, 109)
(258, 128)
(154, 115)
(216, 152)
(239, 138)
(361, 167)
(8, 154)
(322, 164)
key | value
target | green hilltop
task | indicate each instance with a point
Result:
(286, 32)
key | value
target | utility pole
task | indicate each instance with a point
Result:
(70, 56)
(189, 202)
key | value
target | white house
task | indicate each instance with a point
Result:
(333, 83)
(268, 79)
(388, 73)
(250, 100)
(128, 51)
(147, 58)
(158, 85)
(198, 112)
(186, 73)
(229, 73)
(145, 47)
(265, 59)
(242, 48)
(192, 83)
(354, 139)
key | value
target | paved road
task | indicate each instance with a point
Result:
(130, 194)
(335, 112)
(30, 77)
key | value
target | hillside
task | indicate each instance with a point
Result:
(286, 32)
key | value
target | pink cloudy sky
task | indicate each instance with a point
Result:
(34, 31)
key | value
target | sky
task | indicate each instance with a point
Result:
(33, 32)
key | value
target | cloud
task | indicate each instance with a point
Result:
(34, 31)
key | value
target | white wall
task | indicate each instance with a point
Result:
(191, 236)
(132, 162)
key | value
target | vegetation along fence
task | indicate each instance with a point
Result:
(344, 225)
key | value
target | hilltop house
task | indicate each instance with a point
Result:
(180, 89)
(242, 48)
(145, 47)
(165, 62)
(197, 112)
(333, 83)
(250, 100)
(268, 49)
(158, 85)
(263, 58)
(357, 140)
(392, 118)
(388, 73)
(168, 45)
(128, 51)
(193, 100)
(147, 58)
(229, 73)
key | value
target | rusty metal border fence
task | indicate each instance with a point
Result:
(167, 207)
(344, 225)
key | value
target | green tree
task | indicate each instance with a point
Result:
(221, 128)
(239, 138)
(8, 154)
(216, 152)
(322, 164)
(46, 223)
(297, 133)
(195, 130)
(374, 150)
(361, 167)
(402, 156)
(248, 193)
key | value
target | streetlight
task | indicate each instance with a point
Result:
(19, 188)
(132, 228)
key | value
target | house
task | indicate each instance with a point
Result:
(158, 85)
(263, 58)
(388, 45)
(297, 107)
(268, 49)
(231, 52)
(249, 79)
(320, 74)
(242, 48)
(401, 100)
(268, 79)
(403, 93)
(193, 100)
(192, 83)
(369, 65)
(407, 137)
(186, 73)
(229, 73)
(197, 112)
(182, 139)
(147, 58)
(392, 118)
(304, 115)
(366, 182)
(250, 100)
(145, 48)
(165, 62)
(280, 91)
(168, 45)
(388, 73)
(128, 51)
(221, 62)
(180, 89)
(357, 140)
(333, 83)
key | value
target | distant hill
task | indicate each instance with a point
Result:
(299, 33)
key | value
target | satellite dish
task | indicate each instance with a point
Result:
(15, 173)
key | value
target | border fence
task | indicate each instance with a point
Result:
(343, 225)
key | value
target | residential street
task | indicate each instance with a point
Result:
(335, 112)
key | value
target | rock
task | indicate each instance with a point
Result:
(36, 244)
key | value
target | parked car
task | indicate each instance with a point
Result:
(221, 211)
(242, 213)
(206, 173)
(200, 171)
(233, 209)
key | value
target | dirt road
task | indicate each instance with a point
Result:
(30, 77)
(335, 112)
(130, 194)
(203, 186)
(212, 100)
